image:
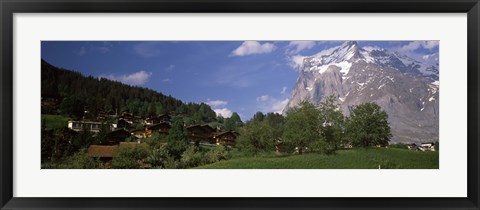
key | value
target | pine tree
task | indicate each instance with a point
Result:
(177, 138)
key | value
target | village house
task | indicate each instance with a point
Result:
(107, 152)
(200, 134)
(412, 146)
(152, 120)
(115, 137)
(103, 152)
(122, 123)
(139, 133)
(428, 146)
(88, 125)
(227, 138)
(161, 128)
(127, 117)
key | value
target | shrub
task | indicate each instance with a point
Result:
(171, 163)
(217, 154)
(156, 140)
(157, 157)
(79, 160)
(176, 148)
(129, 157)
(192, 157)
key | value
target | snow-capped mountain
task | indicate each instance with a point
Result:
(407, 89)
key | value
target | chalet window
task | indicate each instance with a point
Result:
(76, 125)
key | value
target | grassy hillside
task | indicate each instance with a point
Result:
(344, 159)
(54, 121)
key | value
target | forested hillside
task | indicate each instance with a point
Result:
(70, 93)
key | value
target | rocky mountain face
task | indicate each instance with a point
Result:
(407, 89)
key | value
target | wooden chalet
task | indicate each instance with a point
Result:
(103, 115)
(226, 138)
(164, 117)
(88, 125)
(200, 133)
(115, 137)
(161, 128)
(122, 123)
(101, 151)
(152, 120)
(139, 133)
(127, 116)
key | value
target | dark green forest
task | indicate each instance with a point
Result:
(72, 94)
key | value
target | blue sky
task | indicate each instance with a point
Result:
(231, 76)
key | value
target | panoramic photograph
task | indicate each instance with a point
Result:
(247, 104)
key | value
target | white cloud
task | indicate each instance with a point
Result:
(166, 80)
(431, 59)
(284, 90)
(223, 112)
(410, 50)
(278, 106)
(216, 103)
(299, 46)
(296, 61)
(263, 98)
(137, 78)
(253, 47)
(270, 104)
(412, 46)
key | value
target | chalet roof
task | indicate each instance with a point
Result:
(204, 127)
(228, 132)
(132, 144)
(119, 132)
(159, 125)
(122, 119)
(91, 122)
(101, 151)
(138, 131)
(164, 115)
(127, 113)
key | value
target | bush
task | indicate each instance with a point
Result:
(171, 163)
(217, 154)
(157, 157)
(156, 140)
(256, 137)
(176, 148)
(129, 157)
(192, 157)
(79, 160)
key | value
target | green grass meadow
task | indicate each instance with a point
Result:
(54, 121)
(371, 158)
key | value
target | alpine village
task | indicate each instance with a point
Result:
(96, 123)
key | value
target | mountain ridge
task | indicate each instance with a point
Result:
(407, 89)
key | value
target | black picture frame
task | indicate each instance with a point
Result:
(10, 7)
